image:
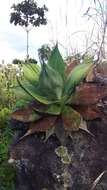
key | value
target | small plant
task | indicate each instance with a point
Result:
(46, 94)
(7, 81)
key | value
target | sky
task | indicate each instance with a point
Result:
(66, 25)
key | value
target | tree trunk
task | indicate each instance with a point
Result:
(27, 46)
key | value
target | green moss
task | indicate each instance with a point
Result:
(62, 152)
(66, 159)
(66, 178)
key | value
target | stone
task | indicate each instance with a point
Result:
(40, 168)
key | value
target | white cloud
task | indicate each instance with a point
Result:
(7, 53)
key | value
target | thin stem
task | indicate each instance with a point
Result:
(27, 47)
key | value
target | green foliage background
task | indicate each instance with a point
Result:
(7, 100)
(7, 173)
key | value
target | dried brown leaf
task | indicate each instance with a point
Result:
(89, 112)
(41, 125)
(88, 94)
(71, 119)
(95, 183)
(25, 115)
(90, 76)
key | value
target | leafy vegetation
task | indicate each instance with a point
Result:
(7, 101)
(18, 61)
(7, 81)
(46, 95)
(7, 173)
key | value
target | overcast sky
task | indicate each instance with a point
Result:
(13, 38)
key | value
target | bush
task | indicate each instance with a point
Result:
(7, 81)
(17, 61)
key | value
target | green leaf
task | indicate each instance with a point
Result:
(31, 72)
(56, 62)
(75, 77)
(50, 83)
(22, 97)
(34, 93)
(21, 94)
(21, 103)
(53, 109)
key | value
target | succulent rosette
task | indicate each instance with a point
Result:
(46, 95)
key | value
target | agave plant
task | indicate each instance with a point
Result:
(46, 95)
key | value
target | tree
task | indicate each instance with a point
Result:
(28, 14)
(31, 60)
(18, 61)
(44, 53)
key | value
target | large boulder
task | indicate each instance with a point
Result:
(48, 165)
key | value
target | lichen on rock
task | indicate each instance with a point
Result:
(62, 152)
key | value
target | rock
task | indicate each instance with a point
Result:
(40, 166)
